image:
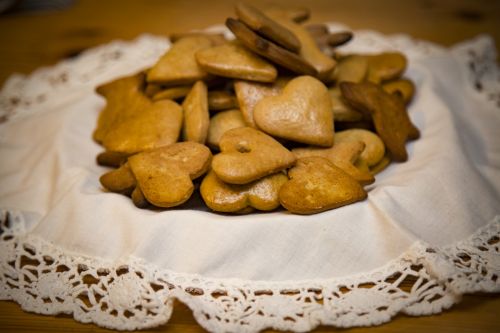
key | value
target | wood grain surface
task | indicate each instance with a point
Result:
(34, 39)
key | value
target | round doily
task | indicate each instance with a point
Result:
(431, 223)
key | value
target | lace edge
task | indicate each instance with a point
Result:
(132, 294)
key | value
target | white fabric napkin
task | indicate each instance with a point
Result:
(448, 188)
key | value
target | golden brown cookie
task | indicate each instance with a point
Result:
(301, 113)
(316, 185)
(261, 194)
(111, 159)
(385, 66)
(402, 87)
(157, 125)
(351, 68)
(248, 154)
(124, 99)
(235, 61)
(152, 88)
(341, 110)
(221, 100)
(296, 14)
(221, 123)
(343, 155)
(268, 49)
(138, 198)
(172, 93)
(196, 116)
(178, 65)
(165, 175)
(388, 113)
(309, 50)
(374, 149)
(263, 25)
(250, 93)
(380, 166)
(120, 180)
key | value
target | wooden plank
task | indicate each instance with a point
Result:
(476, 313)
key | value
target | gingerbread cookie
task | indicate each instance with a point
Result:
(388, 113)
(120, 180)
(268, 49)
(235, 61)
(165, 175)
(250, 93)
(221, 123)
(221, 100)
(248, 154)
(261, 194)
(301, 113)
(316, 185)
(263, 25)
(156, 125)
(343, 155)
(124, 99)
(374, 149)
(196, 116)
(178, 65)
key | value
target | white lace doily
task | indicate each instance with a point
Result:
(431, 223)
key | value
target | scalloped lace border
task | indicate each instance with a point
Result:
(132, 294)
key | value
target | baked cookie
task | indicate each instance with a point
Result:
(248, 154)
(261, 194)
(178, 65)
(196, 116)
(165, 175)
(316, 185)
(301, 113)
(388, 113)
(233, 60)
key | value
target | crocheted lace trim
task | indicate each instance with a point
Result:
(132, 294)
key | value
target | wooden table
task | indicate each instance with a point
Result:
(31, 40)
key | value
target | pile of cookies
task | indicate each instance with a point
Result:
(276, 117)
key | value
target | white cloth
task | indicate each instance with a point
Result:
(447, 190)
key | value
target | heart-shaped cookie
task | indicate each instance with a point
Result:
(317, 185)
(157, 125)
(124, 99)
(250, 93)
(221, 123)
(248, 154)
(120, 180)
(235, 61)
(343, 155)
(388, 113)
(301, 113)
(196, 116)
(374, 146)
(385, 66)
(229, 198)
(178, 65)
(165, 175)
